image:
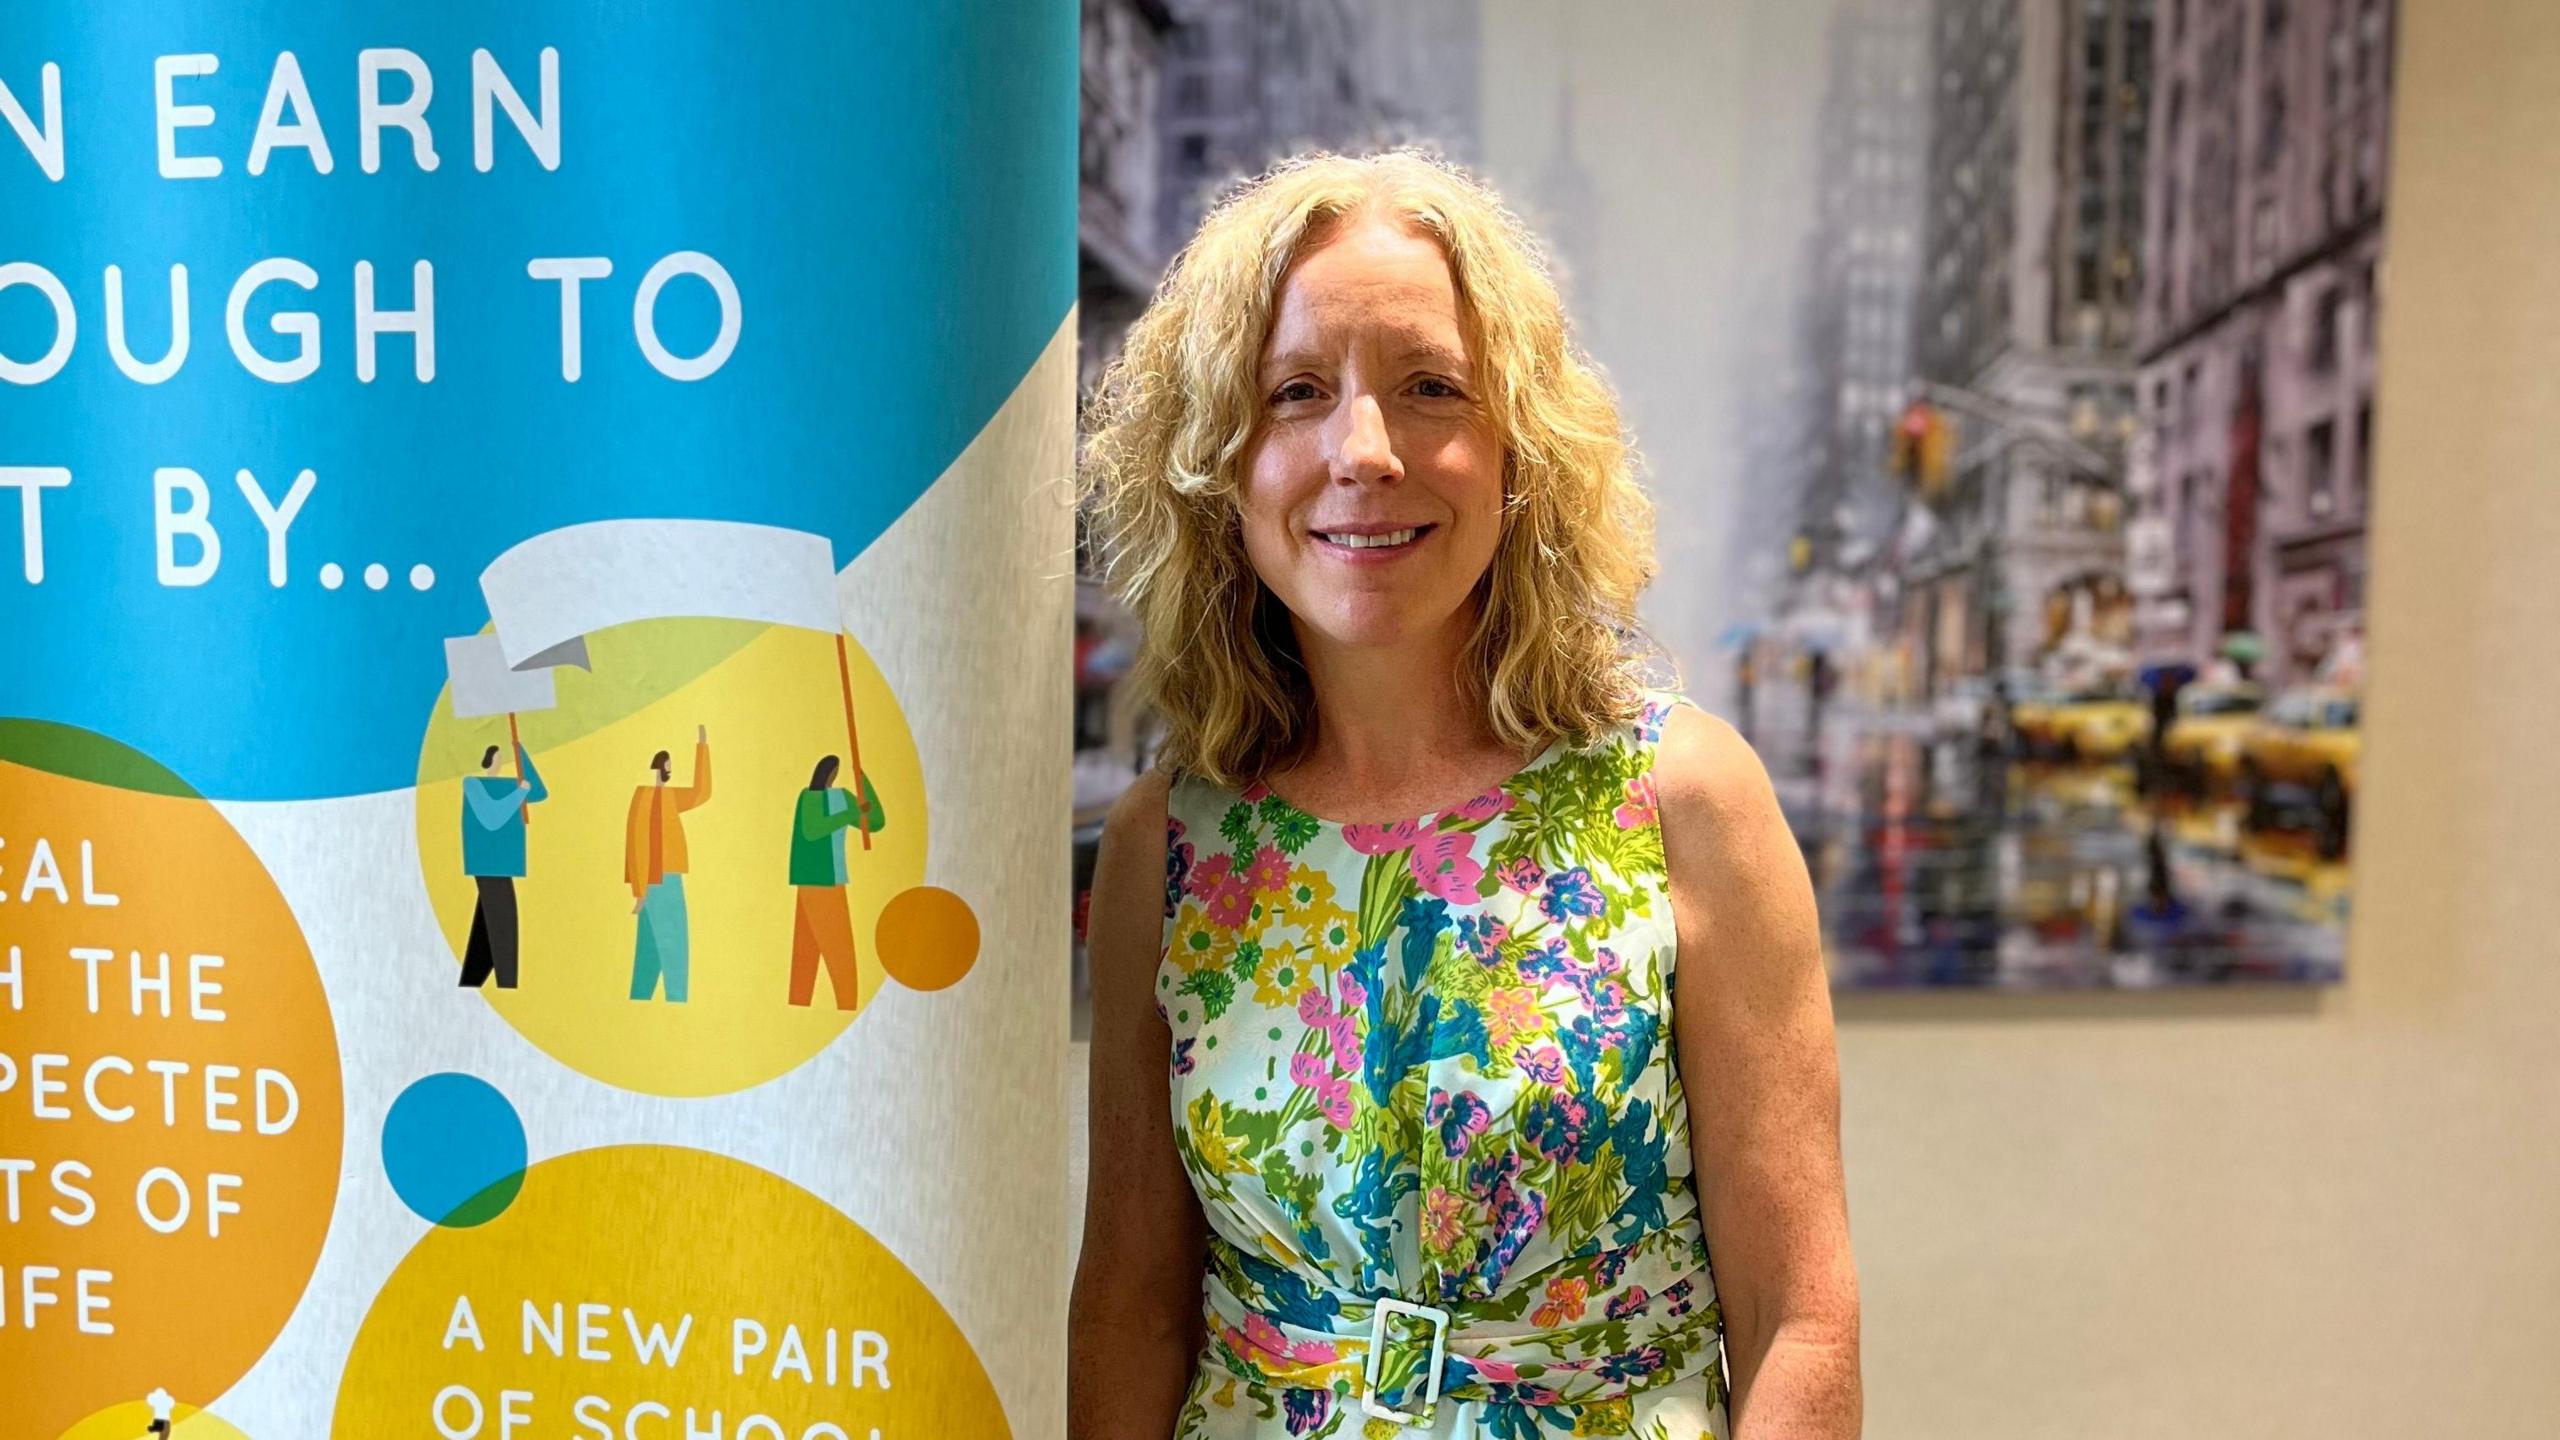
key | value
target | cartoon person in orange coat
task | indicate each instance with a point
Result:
(654, 864)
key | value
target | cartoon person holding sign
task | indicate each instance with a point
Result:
(821, 925)
(493, 815)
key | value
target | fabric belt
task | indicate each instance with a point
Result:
(1399, 1357)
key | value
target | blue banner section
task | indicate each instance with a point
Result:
(813, 246)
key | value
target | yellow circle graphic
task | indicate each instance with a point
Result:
(637, 1290)
(711, 986)
(169, 1070)
(132, 1421)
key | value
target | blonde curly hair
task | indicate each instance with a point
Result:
(1556, 648)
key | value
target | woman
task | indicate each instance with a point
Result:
(1388, 1109)
(821, 926)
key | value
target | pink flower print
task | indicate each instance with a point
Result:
(1639, 810)
(1382, 839)
(1354, 995)
(1347, 1054)
(1264, 1336)
(1333, 1097)
(1341, 1029)
(1443, 865)
(1444, 1220)
(1544, 1065)
(1314, 1352)
(1254, 792)
(1208, 875)
(1631, 1303)
(1521, 873)
(1230, 903)
(1269, 873)
(1566, 1295)
(1499, 1372)
(1509, 1013)
(1485, 806)
(1332, 1092)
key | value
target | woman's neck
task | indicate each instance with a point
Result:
(1395, 728)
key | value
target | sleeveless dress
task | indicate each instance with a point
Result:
(1423, 1082)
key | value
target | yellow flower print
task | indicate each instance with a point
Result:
(1219, 1152)
(1197, 944)
(1282, 977)
(1606, 1417)
(1310, 892)
(1331, 933)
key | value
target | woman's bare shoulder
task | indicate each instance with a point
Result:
(1137, 818)
(1704, 766)
(1128, 877)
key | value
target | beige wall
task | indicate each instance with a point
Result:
(2331, 1215)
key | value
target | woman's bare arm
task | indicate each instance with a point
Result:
(1752, 1016)
(1133, 1325)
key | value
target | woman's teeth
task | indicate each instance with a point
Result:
(1370, 542)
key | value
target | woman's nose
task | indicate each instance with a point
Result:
(1361, 451)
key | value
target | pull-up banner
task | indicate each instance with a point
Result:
(525, 903)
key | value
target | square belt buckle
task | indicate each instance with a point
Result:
(1439, 1322)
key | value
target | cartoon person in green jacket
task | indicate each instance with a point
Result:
(821, 925)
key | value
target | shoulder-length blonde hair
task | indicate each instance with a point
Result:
(1554, 650)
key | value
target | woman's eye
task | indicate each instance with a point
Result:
(1294, 390)
(1439, 390)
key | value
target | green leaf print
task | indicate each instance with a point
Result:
(1640, 851)
(1590, 1195)
(1457, 975)
(1259, 1129)
(1385, 884)
(1237, 827)
(1215, 989)
(1508, 1306)
(1287, 1184)
(1293, 830)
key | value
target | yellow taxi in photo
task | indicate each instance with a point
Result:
(2202, 747)
(2105, 721)
(2308, 741)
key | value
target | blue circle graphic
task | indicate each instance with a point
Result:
(454, 1150)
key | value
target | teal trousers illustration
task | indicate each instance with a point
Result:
(663, 945)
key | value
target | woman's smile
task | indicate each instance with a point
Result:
(1370, 544)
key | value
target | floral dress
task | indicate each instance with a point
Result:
(1424, 1085)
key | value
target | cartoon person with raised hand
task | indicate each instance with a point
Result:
(654, 864)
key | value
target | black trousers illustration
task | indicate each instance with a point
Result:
(493, 933)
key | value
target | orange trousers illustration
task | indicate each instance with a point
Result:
(822, 929)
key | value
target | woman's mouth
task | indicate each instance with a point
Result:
(1366, 544)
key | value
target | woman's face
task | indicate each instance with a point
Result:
(1373, 483)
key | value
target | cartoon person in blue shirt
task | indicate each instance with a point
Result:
(493, 815)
